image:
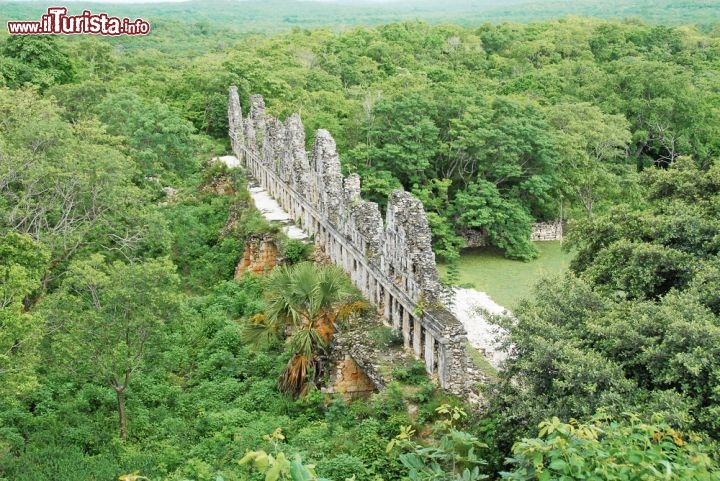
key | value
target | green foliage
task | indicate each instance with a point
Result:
(451, 457)
(22, 266)
(309, 301)
(279, 467)
(604, 448)
(385, 337)
(38, 60)
(343, 466)
(295, 251)
(203, 250)
(159, 140)
(68, 185)
(109, 319)
(413, 372)
(633, 331)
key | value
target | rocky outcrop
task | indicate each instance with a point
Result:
(261, 255)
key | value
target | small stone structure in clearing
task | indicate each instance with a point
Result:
(391, 262)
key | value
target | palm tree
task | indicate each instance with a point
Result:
(305, 301)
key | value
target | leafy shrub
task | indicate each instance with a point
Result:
(412, 372)
(342, 466)
(313, 439)
(295, 250)
(389, 401)
(623, 450)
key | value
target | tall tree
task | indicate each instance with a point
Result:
(68, 187)
(593, 146)
(636, 326)
(110, 317)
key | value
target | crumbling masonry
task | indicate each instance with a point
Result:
(391, 263)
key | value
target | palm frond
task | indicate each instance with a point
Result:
(260, 332)
(294, 377)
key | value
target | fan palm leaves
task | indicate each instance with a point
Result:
(304, 303)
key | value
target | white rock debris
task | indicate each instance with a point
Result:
(469, 307)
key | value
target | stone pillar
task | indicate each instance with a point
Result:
(235, 122)
(417, 337)
(397, 319)
(442, 365)
(429, 352)
(387, 306)
(406, 328)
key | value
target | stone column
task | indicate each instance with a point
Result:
(396, 317)
(417, 337)
(429, 352)
(406, 328)
(442, 365)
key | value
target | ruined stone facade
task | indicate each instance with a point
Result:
(547, 231)
(350, 379)
(541, 231)
(261, 256)
(391, 262)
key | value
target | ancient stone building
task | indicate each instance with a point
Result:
(391, 262)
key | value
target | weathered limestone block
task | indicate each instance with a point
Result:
(474, 237)
(273, 145)
(297, 156)
(351, 380)
(351, 196)
(408, 258)
(235, 122)
(366, 219)
(541, 231)
(547, 231)
(255, 124)
(452, 358)
(352, 188)
(328, 178)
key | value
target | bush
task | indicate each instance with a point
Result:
(625, 449)
(342, 467)
(295, 251)
(411, 373)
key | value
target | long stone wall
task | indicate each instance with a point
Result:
(391, 262)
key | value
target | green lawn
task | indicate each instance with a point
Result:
(507, 281)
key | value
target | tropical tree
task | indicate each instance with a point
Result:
(305, 303)
(635, 327)
(110, 317)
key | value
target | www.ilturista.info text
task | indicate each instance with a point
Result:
(57, 21)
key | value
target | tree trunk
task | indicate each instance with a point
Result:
(121, 411)
(120, 391)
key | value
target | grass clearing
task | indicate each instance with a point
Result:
(505, 280)
(482, 363)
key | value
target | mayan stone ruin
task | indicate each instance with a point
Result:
(391, 262)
